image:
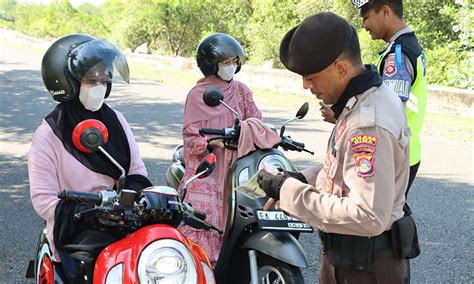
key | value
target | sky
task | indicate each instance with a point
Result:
(74, 3)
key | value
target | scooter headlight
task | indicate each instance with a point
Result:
(166, 261)
(274, 162)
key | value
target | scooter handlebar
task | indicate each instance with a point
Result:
(84, 197)
(298, 144)
(289, 144)
(212, 131)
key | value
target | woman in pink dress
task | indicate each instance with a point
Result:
(219, 57)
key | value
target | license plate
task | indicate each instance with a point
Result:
(279, 221)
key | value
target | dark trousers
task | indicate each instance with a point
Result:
(387, 269)
(413, 172)
(411, 178)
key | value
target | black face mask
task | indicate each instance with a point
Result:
(359, 84)
(64, 118)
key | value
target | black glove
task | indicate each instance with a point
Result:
(270, 183)
(297, 175)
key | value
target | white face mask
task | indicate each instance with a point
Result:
(227, 72)
(92, 98)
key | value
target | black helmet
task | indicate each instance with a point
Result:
(79, 58)
(215, 48)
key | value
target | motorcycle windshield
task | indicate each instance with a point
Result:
(98, 62)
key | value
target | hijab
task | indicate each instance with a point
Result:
(64, 118)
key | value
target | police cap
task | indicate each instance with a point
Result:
(314, 44)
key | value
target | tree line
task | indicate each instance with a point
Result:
(175, 27)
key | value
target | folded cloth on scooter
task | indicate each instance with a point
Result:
(254, 133)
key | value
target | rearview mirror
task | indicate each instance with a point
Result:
(207, 166)
(205, 169)
(299, 115)
(302, 111)
(213, 96)
(89, 134)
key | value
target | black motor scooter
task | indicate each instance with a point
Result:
(259, 246)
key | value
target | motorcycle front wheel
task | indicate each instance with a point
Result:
(273, 271)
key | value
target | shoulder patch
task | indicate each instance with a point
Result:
(363, 146)
(364, 164)
(363, 143)
(389, 68)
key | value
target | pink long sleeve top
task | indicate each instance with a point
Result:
(51, 168)
(208, 195)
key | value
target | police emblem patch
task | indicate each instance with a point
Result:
(364, 164)
(363, 146)
(390, 69)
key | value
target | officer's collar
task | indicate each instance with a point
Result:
(388, 45)
(357, 85)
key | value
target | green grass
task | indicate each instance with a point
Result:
(167, 77)
(462, 123)
(452, 127)
(278, 99)
(188, 79)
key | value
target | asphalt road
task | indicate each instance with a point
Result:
(441, 197)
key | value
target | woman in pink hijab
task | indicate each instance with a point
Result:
(219, 58)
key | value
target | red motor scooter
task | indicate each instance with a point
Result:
(154, 250)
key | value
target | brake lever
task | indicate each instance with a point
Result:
(228, 145)
(217, 230)
(197, 223)
(78, 216)
(215, 138)
(228, 137)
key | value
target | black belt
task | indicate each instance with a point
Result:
(337, 242)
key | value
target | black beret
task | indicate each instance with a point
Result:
(314, 44)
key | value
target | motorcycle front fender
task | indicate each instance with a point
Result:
(279, 245)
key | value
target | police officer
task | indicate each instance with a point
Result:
(402, 65)
(359, 192)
